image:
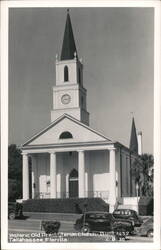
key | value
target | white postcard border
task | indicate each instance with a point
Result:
(5, 5)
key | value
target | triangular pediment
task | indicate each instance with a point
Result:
(80, 132)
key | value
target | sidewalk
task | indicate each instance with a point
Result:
(51, 216)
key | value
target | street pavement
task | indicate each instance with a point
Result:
(29, 229)
(34, 225)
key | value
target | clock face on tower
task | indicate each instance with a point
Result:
(65, 99)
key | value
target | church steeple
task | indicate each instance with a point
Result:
(133, 138)
(68, 47)
(69, 95)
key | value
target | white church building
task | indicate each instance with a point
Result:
(68, 157)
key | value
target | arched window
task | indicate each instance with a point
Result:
(65, 135)
(73, 174)
(66, 76)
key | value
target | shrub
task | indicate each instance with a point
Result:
(69, 205)
(50, 226)
(14, 189)
(146, 206)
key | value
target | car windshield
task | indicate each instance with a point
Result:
(126, 213)
(122, 212)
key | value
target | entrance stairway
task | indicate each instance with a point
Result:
(69, 205)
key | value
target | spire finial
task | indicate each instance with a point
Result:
(132, 113)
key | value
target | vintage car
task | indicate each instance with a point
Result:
(14, 210)
(146, 228)
(102, 221)
(128, 214)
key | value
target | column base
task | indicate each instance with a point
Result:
(53, 196)
(82, 196)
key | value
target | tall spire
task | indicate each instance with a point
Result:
(68, 48)
(133, 138)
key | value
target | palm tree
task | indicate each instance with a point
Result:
(142, 172)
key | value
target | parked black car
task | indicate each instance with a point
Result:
(146, 228)
(14, 210)
(102, 221)
(128, 214)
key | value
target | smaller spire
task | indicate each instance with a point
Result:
(133, 138)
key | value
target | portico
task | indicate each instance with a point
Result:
(91, 183)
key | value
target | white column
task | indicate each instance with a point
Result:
(33, 185)
(25, 177)
(112, 194)
(86, 184)
(34, 177)
(67, 185)
(59, 186)
(53, 183)
(81, 173)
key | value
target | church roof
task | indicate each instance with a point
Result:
(68, 47)
(133, 138)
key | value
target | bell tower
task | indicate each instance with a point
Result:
(69, 95)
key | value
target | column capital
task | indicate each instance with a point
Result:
(112, 149)
(81, 150)
(52, 152)
(24, 153)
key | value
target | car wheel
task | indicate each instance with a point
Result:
(85, 229)
(150, 233)
(11, 216)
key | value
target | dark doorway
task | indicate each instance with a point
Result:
(73, 183)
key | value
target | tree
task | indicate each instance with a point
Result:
(142, 172)
(14, 173)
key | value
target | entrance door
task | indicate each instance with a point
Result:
(73, 183)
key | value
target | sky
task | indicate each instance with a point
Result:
(116, 46)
